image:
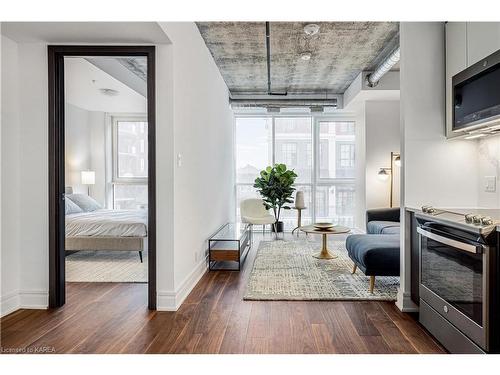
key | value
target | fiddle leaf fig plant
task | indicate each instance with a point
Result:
(275, 185)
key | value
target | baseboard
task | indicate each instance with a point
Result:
(9, 303)
(34, 299)
(25, 299)
(405, 303)
(171, 301)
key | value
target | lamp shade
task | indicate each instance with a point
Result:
(383, 174)
(299, 200)
(88, 177)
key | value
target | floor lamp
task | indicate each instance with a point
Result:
(386, 173)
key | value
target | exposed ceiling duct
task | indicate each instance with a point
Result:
(373, 78)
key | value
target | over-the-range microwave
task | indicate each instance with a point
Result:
(476, 96)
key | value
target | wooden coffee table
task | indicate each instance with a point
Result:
(337, 229)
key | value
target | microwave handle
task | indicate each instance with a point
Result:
(448, 241)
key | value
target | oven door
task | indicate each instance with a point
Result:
(452, 280)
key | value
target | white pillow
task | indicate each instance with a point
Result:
(86, 203)
(71, 207)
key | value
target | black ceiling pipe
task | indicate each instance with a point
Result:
(268, 51)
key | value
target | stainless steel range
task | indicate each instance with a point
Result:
(459, 273)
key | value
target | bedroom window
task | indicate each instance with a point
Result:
(130, 163)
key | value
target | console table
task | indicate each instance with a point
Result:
(230, 243)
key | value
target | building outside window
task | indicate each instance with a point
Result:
(345, 159)
(309, 155)
(289, 153)
(346, 155)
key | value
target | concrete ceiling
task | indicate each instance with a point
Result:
(340, 51)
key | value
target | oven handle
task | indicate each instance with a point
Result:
(448, 241)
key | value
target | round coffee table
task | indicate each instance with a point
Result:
(337, 229)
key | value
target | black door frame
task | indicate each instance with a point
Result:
(56, 54)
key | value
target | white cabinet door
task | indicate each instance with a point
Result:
(456, 61)
(483, 38)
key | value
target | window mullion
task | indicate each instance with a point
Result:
(273, 141)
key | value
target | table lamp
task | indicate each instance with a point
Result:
(88, 178)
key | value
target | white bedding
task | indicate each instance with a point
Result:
(107, 223)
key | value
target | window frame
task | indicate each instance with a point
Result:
(115, 179)
(316, 180)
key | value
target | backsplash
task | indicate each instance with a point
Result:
(489, 166)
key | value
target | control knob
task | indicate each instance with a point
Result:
(428, 209)
(476, 219)
(469, 218)
(487, 220)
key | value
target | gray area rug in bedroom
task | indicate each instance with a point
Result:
(106, 266)
(286, 270)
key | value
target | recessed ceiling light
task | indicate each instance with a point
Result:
(306, 56)
(311, 29)
(109, 92)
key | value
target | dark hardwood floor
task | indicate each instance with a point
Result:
(113, 318)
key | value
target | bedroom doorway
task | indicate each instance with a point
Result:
(102, 225)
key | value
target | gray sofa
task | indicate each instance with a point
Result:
(377, 252)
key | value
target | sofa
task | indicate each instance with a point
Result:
(376, 253)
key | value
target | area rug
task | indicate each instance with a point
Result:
(286, 270)
(106, 266)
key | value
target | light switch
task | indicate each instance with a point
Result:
(490, 184)
(179, 160)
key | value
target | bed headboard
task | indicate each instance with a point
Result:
(68, 190)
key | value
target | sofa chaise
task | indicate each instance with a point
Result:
(377, 252)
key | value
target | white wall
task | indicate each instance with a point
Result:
(360, 152)
(85, 148)
(10, 215)
(77, 146)
(97, 145)
(489, 166)
(192, 113)
(33, 167)
(451, 166)
(203, 136)
(436, 171)
(382, 122)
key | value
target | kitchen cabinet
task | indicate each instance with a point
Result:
(466, 43)
(483, 38)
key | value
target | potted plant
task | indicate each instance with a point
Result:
(275, 185)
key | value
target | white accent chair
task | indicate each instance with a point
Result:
(254, 212)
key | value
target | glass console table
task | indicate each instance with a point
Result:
(230, 243)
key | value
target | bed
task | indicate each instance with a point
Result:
(103, 229)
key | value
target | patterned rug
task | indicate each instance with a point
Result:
(286, 270)
(107, 266)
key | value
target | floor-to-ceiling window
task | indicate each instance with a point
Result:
(321, 151)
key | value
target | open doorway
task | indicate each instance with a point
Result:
(101, 167)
